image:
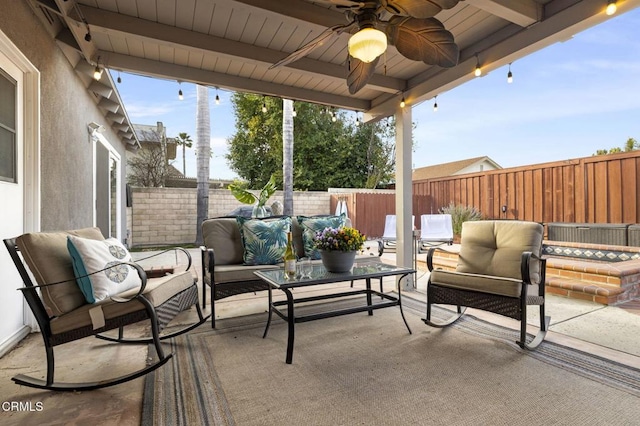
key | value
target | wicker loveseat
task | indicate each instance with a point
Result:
(222, 260)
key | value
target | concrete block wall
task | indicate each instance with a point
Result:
(167, 216)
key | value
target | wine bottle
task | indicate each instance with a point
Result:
(289, 259)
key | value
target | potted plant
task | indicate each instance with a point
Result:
(259, 201)
(338, 247)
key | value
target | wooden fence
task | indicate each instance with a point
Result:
(598, 189)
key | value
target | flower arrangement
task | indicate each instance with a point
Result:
(339, 239)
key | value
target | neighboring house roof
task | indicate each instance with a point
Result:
(150, 135)
(452, 168)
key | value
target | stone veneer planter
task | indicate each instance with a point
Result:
(599, 273)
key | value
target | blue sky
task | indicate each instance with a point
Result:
(566, 101)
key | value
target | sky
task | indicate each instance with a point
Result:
(566, 101)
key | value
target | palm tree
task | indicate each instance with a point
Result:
(186, 142)
(287, 156)
(203, 151)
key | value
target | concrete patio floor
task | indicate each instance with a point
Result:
(608, 331)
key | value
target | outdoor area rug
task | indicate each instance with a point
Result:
(360, 369)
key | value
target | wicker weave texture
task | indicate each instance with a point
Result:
(502, 305)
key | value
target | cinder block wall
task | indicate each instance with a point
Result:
(167, 216)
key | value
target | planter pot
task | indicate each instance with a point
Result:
(259, 211)
(338, 261)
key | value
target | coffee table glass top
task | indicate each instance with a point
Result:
(361, 269)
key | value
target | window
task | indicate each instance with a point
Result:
(8, 154)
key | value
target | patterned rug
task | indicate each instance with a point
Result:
(361, 369)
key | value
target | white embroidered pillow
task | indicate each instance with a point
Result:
(90, 256)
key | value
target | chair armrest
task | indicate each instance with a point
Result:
(525, 264)
(143, 279)
(208, 260)
(430, 254)
(380, 247)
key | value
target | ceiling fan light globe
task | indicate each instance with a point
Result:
(367, 44)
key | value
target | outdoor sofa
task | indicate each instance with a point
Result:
(223, 266)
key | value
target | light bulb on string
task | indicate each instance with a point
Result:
(435, 103)
(217, 97)
(509, 75)
(478, 70)
(180, 95)
(97, 72)
(264, 104)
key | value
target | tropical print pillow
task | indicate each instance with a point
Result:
(264, 241)
(313, 224)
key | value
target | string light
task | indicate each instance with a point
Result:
(509, 75)
(402, 103)
(217, 97)
(264, 104)
(478, 71)
(119, 79)
(87, 36)
(97, 72)
(180, 95)
(435, 103)
(612, 7)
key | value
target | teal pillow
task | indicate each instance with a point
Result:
(313, 224)
(264, 241)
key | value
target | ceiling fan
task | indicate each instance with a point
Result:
(412, 29)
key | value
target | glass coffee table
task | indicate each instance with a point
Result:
(362, 270)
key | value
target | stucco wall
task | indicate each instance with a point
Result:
(166, 216)
(66, 152)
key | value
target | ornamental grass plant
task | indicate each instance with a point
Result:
(339, 239)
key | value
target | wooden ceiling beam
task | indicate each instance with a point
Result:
(178, 72)
(110, 22)
(520, 12)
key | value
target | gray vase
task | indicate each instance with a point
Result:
(338, 261)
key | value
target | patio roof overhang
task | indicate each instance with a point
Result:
(231, 44)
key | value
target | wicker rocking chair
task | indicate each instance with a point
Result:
(499, 270)
(64, 315)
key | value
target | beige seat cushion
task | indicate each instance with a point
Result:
(509, 287)
(47, 256)
(495, 248)
(157, 291)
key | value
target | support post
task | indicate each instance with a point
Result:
(404, 194)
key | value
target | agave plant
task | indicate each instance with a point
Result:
(247, 197)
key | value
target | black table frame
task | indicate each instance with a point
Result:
(362, 270)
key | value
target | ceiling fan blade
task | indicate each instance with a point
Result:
(423, 40)
(417, 8)
(342, 4)
(323, 38)
(360, 73)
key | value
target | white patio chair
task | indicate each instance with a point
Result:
(389, 235)
(435, 229)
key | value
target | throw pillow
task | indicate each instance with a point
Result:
(264, 241)
(90, 256)
(311, 225)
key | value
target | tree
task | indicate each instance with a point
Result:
(630, 145)
(147, 168)
(203, 140)
(186, 142)
(330, 150)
